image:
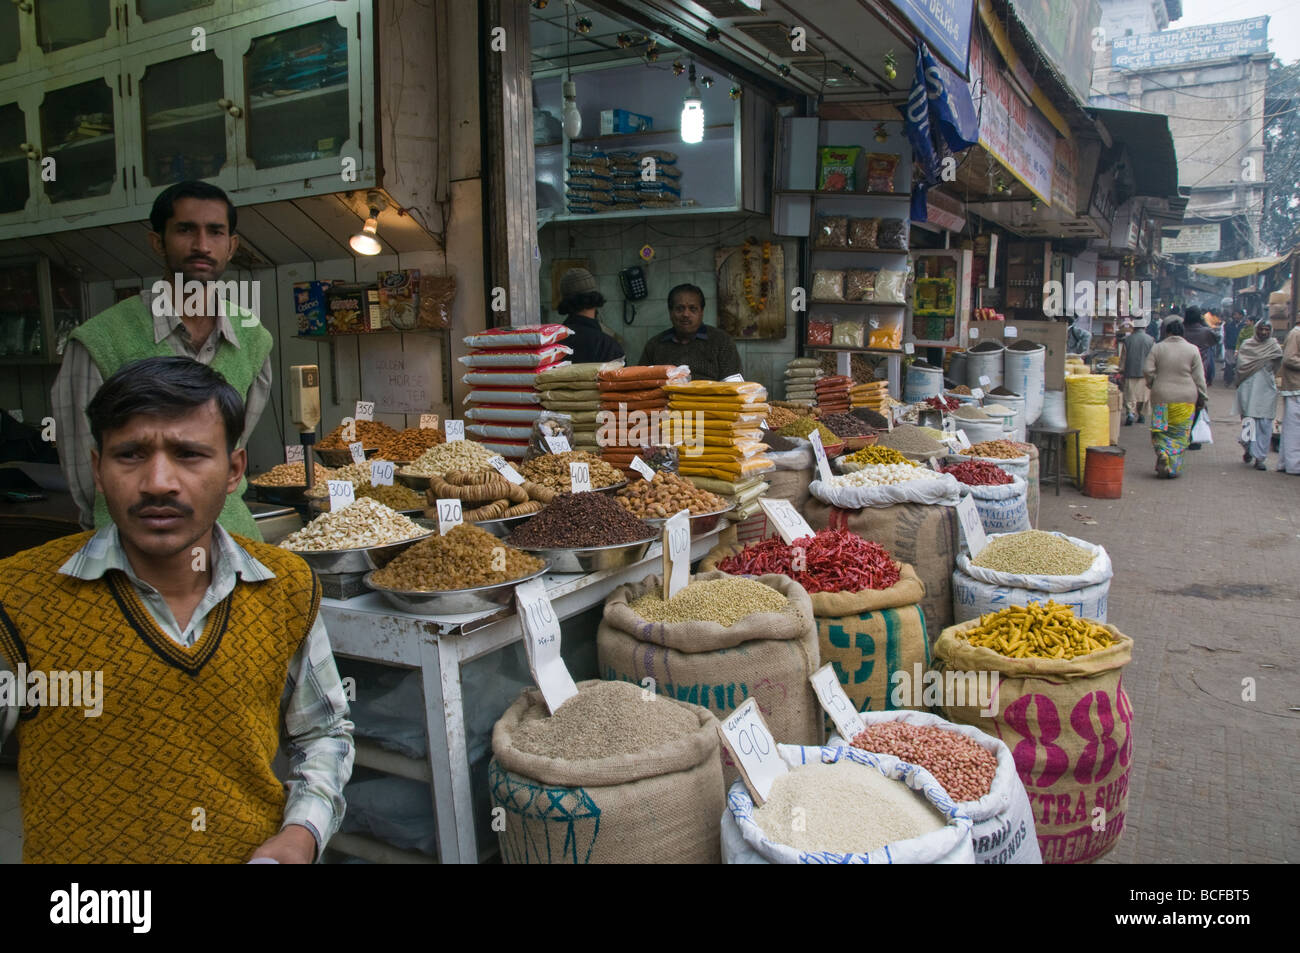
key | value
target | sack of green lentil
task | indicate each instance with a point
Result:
(623, 778)
(1084, 587)
(1003, 825)
(834, 799)
(767, 654)
(924, 537)
(1004, 508)
(1069, 725)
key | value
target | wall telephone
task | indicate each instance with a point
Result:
(633, 282)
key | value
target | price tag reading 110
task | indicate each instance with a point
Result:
(542, 644)
(747, 737)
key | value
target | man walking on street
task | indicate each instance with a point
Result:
(1133, 351)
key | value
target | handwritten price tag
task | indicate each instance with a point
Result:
(449, 516)
(971, 525)
(750, 742)
(677, 553)
(428, 421)
(358, 452)
(643, 468)
(909, 348)
(935, 465)
(365, 410)
(499, 464)
(1010, 332)
(789, 524)
(962, 440)
(734, 379)
(985, 380)
(830, 693)
(381, 472)
(977, 393)
(341, 494)
(542, 644)
(974, 333)
(557, 443)
(580, 477)
(293, 453)
(454, 429)
(823, 465)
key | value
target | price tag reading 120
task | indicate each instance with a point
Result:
(454, 430)
(580, 477)
(677, 553)
(829, 692)
(747, 737)
(341, 494)
(449, 516)
(789, 524)
(542, 644)
(381, 472)
(823, 465)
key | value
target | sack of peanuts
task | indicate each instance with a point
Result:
(989, 791)
(1068, 724)
(1015, 569)
(925, 537)
(840, 805)
(720, 641)
(615, 775)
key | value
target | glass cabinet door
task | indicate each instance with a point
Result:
(20, 310)
(15, 165)
(79, 129)
(145, 18)
(12, 40)
(68, 29)
(185, 129)
(301, 98)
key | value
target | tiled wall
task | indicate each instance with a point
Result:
(684, 249)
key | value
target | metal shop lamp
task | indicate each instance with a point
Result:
(366, 241)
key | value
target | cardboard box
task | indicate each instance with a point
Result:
(613, 121)
(311, 306)
(353, 308)
(399, 298)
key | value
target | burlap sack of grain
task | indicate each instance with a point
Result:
(1069, 726)
(652, 807)
(769, 656)
(923, 536)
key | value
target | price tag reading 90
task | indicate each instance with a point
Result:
(341, 494)
(358, 452)
(381, 472)
(750, 742)
(789, 524)
(449, 515)
(831, 695)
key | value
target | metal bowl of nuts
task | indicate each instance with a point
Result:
(594, 558)
(366, 558)
(413, 480)
(340, 458)
(500, 528)
(281, 495)
(700, 522)
(452, 601)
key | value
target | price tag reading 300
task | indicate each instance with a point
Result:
(831, 694)
(789, 524)
(341, 494)
(449, 516)
(542, 642)
(747, 737)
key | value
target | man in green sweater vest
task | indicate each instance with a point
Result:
(194, 233)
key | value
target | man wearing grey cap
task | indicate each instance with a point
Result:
(579, 299)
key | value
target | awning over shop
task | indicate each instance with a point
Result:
(1150, 149)
(1239, 268)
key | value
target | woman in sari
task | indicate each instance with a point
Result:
(1176, 376)
(1257, 362)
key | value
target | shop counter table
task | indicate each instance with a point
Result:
(441, 647)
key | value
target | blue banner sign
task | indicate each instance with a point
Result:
(1191, 44)
(943, 24)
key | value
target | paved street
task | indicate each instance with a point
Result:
(1206, 582)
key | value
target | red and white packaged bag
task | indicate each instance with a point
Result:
(536, 358)
(522, 336)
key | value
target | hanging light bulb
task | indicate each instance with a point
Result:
(692, 111)
(366, 241)
(572, 117)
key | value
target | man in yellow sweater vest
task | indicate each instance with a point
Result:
(190, 649)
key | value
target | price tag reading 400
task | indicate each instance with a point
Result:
(454, 430)
(542, 642)
(823, 465)
(830, 693)
(580, 477)
(677, 553)
(786, 519)
(449, 516)
(381, 472)
(365, 410)
(747, 737)
(358, 452)
(341, 494)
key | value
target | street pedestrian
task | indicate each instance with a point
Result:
(1133, 350)
(1232, 331)
(1204, 337)
(1289, 391)
(1257, 362)
(1177, 379)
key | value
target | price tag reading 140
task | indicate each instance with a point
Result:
(750, 742)
(789, 524)
(542, 644)
(381, 472)
(449, 515)
(341, 494)
(831, 694)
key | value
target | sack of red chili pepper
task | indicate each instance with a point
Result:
(978, 473)
(946, 404)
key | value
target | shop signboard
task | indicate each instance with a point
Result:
(945, 25)
(1194, 44)
(1063, 31)
(1190, 239)
(1065, 178)
(1014, 132)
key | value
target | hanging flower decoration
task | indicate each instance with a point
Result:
(783, 69)
(891, 65)
(540, 4)
(706, 82)
(652, 51)
(734, 92)
(759, 305)
(623, 40)
(882, 134)
(584, 25)
(678, 67)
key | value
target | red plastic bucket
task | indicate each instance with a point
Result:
(1103, 472)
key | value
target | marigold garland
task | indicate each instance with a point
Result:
(759, 306)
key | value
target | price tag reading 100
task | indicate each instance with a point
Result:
(750, 742)
(341, 494)
(677, 553)
(449, 516)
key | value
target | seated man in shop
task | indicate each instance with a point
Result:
(173, 654)
(708, 351)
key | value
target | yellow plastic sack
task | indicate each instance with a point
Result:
(1087, 411)
(754, 391)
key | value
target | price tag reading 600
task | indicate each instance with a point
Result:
(747, 737)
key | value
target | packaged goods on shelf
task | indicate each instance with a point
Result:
(516, 353)
(633, 405)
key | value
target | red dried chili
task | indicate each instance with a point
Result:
(979, 473)
(943, 403)
(831, 561)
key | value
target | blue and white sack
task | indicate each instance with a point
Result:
(744, 842)
(976, 590)
(1003, 508)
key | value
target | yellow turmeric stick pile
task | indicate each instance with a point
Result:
(1050, 631)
